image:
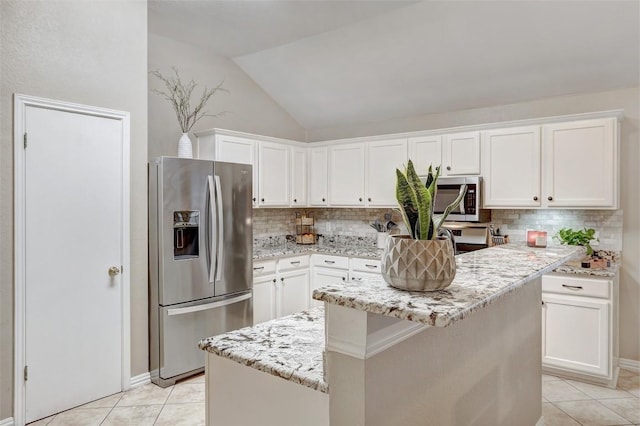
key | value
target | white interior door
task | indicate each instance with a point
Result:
(74, 233)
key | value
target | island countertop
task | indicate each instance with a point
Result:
(289, 347)
(482, 277)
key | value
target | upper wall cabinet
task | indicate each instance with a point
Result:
(511, 167)
(425, 151)
(581, 163)
(461, 154)
(233, 149)
(563, 165)
(319, 176)
(346, 175)
(274, 174)
(299, 176)
(383, 157)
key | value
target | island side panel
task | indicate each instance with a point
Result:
(237, 395)
(484, 369)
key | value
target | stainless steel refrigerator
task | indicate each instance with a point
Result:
(200, 257)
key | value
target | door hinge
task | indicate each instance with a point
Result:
(25, 140)
(26, 373)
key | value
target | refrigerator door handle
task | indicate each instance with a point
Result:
(207, 306)
(213, 242)
(219, 230)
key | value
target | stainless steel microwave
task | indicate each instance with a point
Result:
(470, 208)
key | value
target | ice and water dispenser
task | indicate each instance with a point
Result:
(186, 227)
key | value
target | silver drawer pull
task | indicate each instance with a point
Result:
(258, 268)
(357, 279)
(572, 287)
(297, 262)
(330, 262)
(371, 266)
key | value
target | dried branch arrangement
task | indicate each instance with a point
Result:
(178, 93)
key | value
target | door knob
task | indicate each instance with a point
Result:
(550, 198)
(535, 198)
(113, 271)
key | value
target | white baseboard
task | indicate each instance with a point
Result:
(627, 364)
(136, 381)
(7, 422)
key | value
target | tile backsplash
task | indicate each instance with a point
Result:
(329, 221)
(352, 222)
(608, 223)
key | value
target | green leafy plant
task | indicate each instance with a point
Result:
(415, 199)
(178, 93)
(577, 238)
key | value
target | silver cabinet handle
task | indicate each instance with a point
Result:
(572, 287)
(258, 268)
(330, 262)
(371, 266)
(295, 262)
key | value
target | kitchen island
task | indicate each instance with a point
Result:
(468, 354)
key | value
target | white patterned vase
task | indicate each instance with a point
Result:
(418, 265)
(184, 146)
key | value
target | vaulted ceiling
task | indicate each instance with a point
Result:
(340, 63)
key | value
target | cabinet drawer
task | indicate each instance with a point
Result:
(293, 263)
(591, 287)
(264, 267)
(329, 261)
(365, 265)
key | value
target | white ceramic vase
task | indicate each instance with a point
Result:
(381, 241)
(185, 149)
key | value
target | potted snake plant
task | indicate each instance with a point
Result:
(424, 259)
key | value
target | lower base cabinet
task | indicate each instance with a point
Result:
(323, 276)
(293, 292)
(280, 287)
(579, 328)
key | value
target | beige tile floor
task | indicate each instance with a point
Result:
(564, 403)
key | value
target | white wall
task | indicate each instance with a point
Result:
(84, 52)
(249, 108)
(627, 99)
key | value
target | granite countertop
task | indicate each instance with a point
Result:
(482, 277)
(609, 272)
(292, 249)
(290, 347)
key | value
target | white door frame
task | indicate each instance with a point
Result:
(21, 102)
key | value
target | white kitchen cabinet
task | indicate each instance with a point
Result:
(319, 176)
(264, 298)
(581, 163)
(264, 291)
(299, 177)
(425, 151)
(323, 276)
(360, 269)
(579, 328)
(280, 287)
(274, 175)
(383, 157)
(511, 167)
(325, 270)
(346, 175)
(461, 154)
(229, 148)
(293, 291)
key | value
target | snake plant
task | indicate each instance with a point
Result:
(415, 199)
